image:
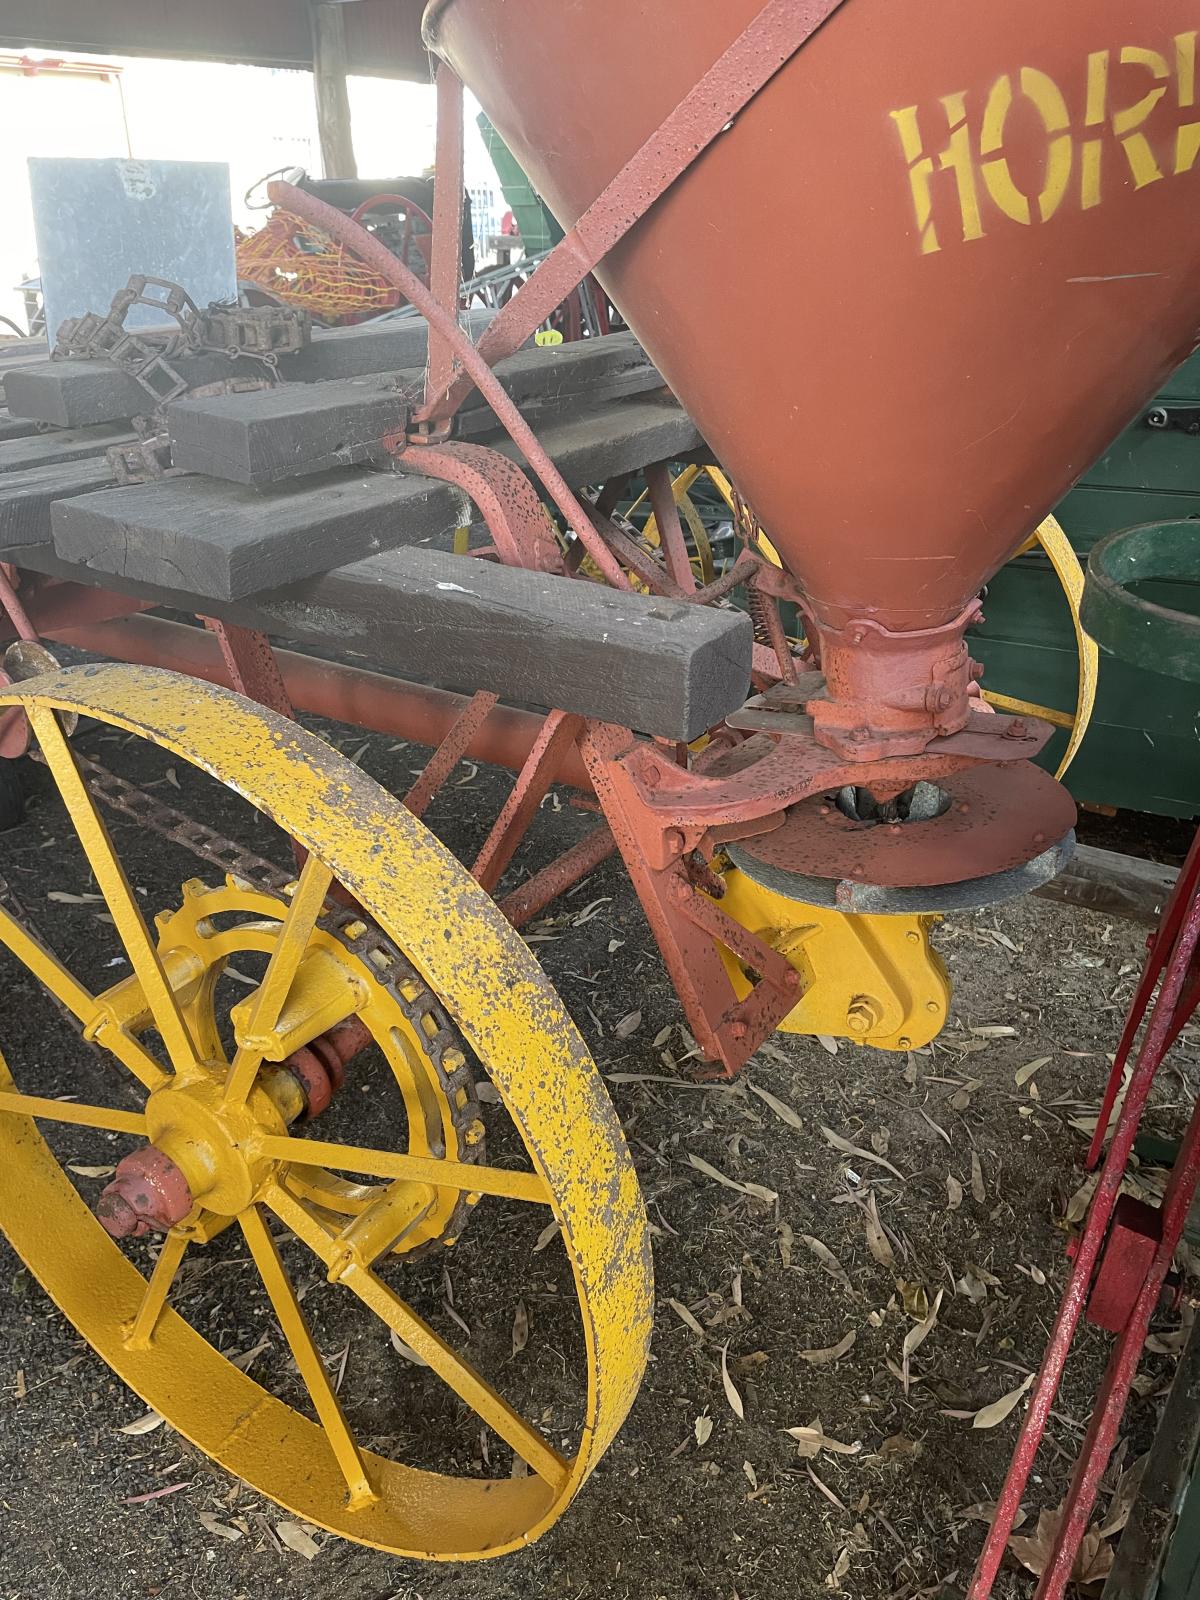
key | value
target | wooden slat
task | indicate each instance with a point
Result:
(73, 394)
(293, 431)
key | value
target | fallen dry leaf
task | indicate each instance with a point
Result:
(833, 1580)
(731, 1394)
(810, 1441)
(954, 1192)
(848, 1149)
(296, 1537)
(978, 1191)
(756, 1191)
(827, 1043)
(520, 1328)
(686, 1317)
(878, 1242)
(628, 1025)
(1093, 1562)
(915, 1298)
(835, 1352)
(223, 1530)
(90, 1172)
(828, 1260)
(916, 1337)
(992, 1416)
(547, 1236)
(1023, 1074)
(145, 1424)
(781, 1109)
(407, 1351)
(703, 1429)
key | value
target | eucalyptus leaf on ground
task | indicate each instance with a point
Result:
(826, 1358)
(811, 1440)
(731, 1393)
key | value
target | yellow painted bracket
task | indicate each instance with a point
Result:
(873, 979)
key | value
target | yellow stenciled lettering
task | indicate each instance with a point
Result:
(1047, 99)
(920, 174)
(958, 157)
(1096, 116)
(1187, 139)
(1127, 124)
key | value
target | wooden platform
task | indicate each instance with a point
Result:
(226, 541)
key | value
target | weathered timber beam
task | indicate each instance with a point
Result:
(26, 497)
(54, 449)
(659, 666)
(1113, 884)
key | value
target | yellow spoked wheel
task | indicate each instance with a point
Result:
(223, 1115)
(1065, 562)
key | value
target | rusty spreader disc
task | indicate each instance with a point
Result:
(999, 818)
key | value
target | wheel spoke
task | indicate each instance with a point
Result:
(308, 1358)
(166, 1269)
(32, 1105)
(298, 924)
(116, 889)
(450, 1367)
(527, 1186)
(80, 1002)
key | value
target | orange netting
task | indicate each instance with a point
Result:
(303, 266)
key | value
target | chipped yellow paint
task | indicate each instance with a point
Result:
(482, 971)
(873, 979)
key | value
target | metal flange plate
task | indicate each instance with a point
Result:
(999, 818)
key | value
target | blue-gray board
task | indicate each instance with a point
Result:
(97, 222)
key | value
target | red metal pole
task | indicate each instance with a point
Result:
(445, 277)
(1160, 945)
(1111, 1401)
(1079, 1283)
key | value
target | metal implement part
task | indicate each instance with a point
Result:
(980, 825)
(232, 1143)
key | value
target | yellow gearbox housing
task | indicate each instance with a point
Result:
(874, 979)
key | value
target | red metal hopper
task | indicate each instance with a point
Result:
(915, 288)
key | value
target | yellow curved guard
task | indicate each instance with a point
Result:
(1067, 566)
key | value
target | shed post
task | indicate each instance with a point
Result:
(329, 84)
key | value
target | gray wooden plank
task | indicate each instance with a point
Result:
(227, 541)
(658, 666)
(26, 497)
(15, 427)
(292, 431)
(1113, 884)
(60, 446)
(224, 541)
(73, 394)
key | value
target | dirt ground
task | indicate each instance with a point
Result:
(942, 1230)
